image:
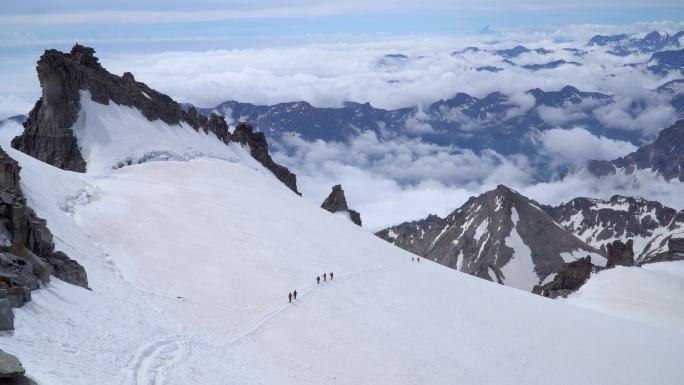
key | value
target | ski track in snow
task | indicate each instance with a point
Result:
(153, 361)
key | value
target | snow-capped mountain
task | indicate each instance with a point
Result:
(500, 235)
(598, 222)
(623, 44)
(70, 125)
(664, 157)
(190, 261)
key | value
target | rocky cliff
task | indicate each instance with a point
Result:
(337, 202)
(48, 133)
(571, 277)
(27, 251)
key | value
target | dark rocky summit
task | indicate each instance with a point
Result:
(620, 254)
(569, 279)
(27, 251)
(47, 132)
(12, 372)
(664, 156)
(482, 237)
(337, 202)
(245, 135)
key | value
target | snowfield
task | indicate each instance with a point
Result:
(190, 263)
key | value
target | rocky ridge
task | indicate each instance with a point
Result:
(337, 202)
(500, 235)
(47, 132)
(597, 222)
(664, 157)
(27, 251)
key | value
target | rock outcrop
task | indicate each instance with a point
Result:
(337, 202)
(675, 252)
(620, 254)
(12, 372)
(570, 277)
(245, 135)
(27, 251)
(48, 134)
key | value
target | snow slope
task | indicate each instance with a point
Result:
(651, 294)
(190, 263)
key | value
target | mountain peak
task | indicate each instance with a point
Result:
(500, 235)
(74, 84)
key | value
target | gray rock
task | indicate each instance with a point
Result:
(620, 254)
(676, 245)
(68, 270)
(337, 202)
(569, 279)
(6, 315)
(10, 366)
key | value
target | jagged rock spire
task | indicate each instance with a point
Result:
(337, 202)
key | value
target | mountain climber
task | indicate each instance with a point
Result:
(290, 297)
(294, 294)
(325, 277)
(318, 279)
(411, 259)
(418, 259)
(331, 275)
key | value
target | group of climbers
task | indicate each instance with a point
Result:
(325, 277)
(293, 294)
(417, 259)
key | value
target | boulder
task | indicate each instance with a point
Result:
(10, 366)
(12, 372)
(620, 254)
(68, 270)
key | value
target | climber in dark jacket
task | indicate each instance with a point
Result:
(325, 277)
(289, 296)
(294, 294)
(318, 279)
(331, 275)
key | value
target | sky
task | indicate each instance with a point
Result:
(324, 52)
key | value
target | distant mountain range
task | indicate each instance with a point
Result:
(623, 45)
(495, 121)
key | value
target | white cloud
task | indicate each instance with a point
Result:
(569, 147)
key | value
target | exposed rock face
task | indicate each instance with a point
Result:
(571, 277)
(675, 252)
(665, 157)
(337, 202)
(500, 236)
(598, 222)
(620, 254)
(47, 132)
(27, 252)
(11, 371)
